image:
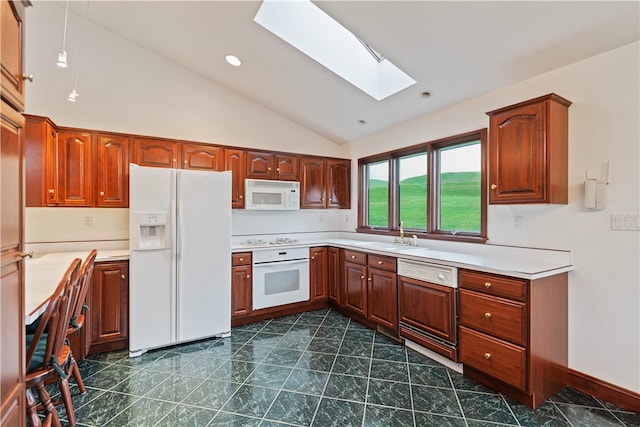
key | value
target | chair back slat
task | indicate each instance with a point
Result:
(85, 274)
(56, 313)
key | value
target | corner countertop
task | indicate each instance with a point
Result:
(525, 263)
(42, 273)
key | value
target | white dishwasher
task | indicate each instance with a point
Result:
(428, 305)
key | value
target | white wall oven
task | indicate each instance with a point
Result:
(280, 276)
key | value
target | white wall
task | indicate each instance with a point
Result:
(604, 289)
(124, 88)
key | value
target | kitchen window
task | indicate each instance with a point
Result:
(436, 189)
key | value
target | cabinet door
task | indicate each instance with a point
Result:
(318, 273)
(11, 53)
(286, 167)
(428, 307)
(74, 169)
(312, 182)
(202, 157)
(241, 291)
(11, 267)
(41, 162)
(234, 162)
(333, 280)
(112, 183)
(260, 165)
(355, 292)
(517, 150)
(382, 306)
(338, 184)
(108, 314)
(161, 153)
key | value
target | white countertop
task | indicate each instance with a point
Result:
(43, 273)
(525, 263)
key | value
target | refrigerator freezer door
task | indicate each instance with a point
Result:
(152, 272)
(203, 254)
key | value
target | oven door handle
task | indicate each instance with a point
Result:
(276, 263)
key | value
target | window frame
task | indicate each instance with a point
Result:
(433, 175)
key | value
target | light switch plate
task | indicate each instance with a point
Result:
(625, 221)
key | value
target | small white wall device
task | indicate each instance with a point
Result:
(594, 194)
(150, 231)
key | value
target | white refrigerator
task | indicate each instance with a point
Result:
(180, 256)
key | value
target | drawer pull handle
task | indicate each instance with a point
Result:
(487, 315)
(353, 257)
(122, 276)
(241, 259)
(494, 186)
(369, 279)
(487, 285)
(248, 276)
(487, 356)
(380, 263)
(313, 257)
(362, 277)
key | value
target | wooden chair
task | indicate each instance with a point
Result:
(78, 308)
(47, 355)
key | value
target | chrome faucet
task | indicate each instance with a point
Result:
(401, 231)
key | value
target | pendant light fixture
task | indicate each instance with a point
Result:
(62, 54)
(73, 95)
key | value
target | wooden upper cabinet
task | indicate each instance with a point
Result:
(269, 165)
(112, 166)
(528, 152)
(41, 162)
(312, 182)
(202, 157)
(260, 165)
(234, 162)
(11, 53)
(160, 153)
(286, 167)
(74, 169)
(338, 184)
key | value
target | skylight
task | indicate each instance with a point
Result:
(307, 28)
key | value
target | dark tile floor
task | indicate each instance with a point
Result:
(317, 368)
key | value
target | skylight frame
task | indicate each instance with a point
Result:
(309, 29)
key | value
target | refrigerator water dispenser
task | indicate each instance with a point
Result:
(150, 231)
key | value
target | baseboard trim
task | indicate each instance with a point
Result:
(623, 398)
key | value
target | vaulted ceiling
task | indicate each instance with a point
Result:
(453, 49)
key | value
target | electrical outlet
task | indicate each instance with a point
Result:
(88, 221)
(517, 223)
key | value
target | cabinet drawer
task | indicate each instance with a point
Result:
(494, 357)
(241, 258)
(355, 257)
(494, 285)
(496, 316)
(382, 262)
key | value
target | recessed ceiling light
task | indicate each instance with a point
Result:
(233, 60)
(425, 94)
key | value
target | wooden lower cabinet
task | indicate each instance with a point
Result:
(370, 288)
(12, 351)
(355, 288)
(334, 282)
(108, 301)
(318, 273)
(241, 289)
(513, 333)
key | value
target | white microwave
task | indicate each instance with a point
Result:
(263, 194)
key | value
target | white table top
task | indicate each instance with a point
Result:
(43, 273)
